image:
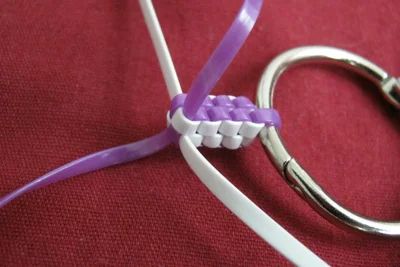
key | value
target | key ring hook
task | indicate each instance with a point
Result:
(293, 173)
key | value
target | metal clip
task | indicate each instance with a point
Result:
(294, 174)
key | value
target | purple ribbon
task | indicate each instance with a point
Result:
(201, 87)
(222, 56)
(96, 161)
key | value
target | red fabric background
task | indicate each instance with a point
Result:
(80, 76)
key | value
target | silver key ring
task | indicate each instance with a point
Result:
(293, 173)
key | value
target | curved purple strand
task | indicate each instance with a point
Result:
(201, 87)
(96, 161)
(222, 56)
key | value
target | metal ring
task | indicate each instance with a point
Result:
(294, 174)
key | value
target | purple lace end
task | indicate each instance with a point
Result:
(268, 116)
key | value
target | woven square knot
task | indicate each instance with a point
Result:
(222, 121)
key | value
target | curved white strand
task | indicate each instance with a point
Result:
(160, 45)
(263, 225)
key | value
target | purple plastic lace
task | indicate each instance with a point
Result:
(222, 56)
(96, 161)
(201, 87)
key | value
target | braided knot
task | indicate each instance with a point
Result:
(222, 121)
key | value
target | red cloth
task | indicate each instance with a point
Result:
(80, 76)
